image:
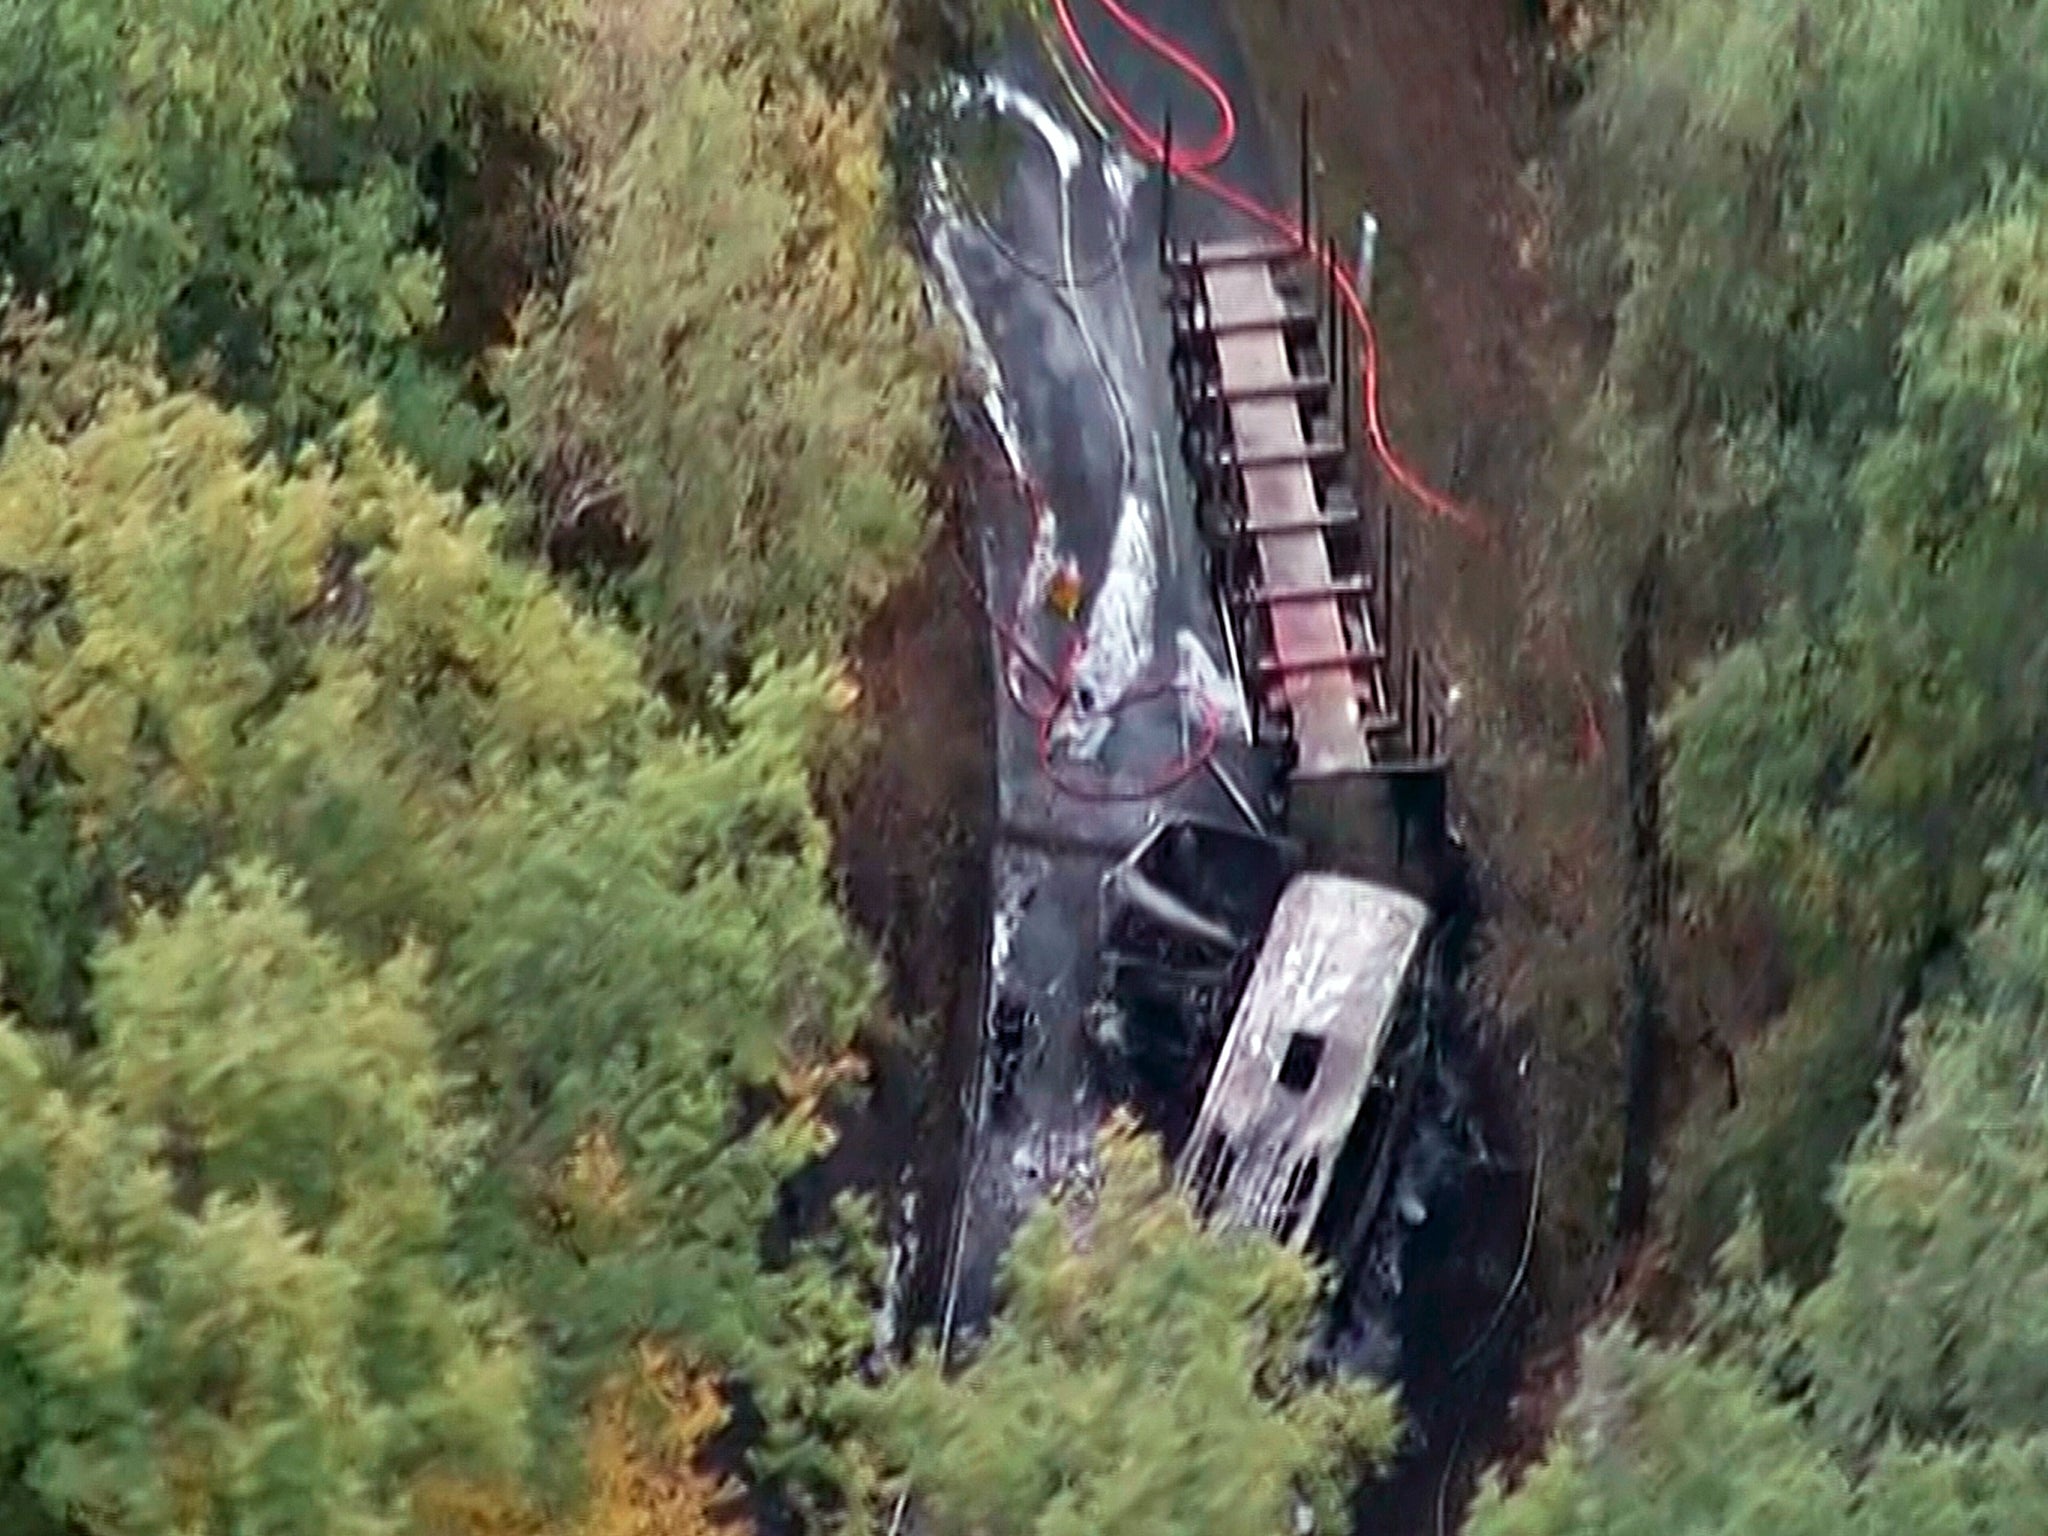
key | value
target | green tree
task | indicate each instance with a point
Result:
(1931, 1321)
(1144, 1375)
(300, 711)
(1861, 765)
(1865, 767)
(1756, 179)
(245, 191)
(737, 373)
(1908, 1391)
(1663, 1440)
(1860, 761)
(227, 1299)
(619, 932)
(1659, 1440)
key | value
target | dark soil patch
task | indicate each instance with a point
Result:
(500, 234)
(911, 821)
(1435, 115)
(1440, 116)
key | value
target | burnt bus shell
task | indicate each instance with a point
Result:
(1318, 1021)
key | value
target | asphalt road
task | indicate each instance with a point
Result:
(1053, 279)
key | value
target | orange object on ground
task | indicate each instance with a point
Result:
(1063, 592)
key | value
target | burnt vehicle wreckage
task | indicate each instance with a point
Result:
(1257, 948)
(1263, 997)
(1280, 987)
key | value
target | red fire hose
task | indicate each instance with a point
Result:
(1196, 166)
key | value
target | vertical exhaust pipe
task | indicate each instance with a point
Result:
(1346, 407)
(1415, 702)
(1308, 220)
(1387, 574)
(1166, 195)
(1325, 249)
(1340, 351)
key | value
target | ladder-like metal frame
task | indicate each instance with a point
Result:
(1264, 436)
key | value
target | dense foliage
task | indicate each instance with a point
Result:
(415, 941)
(1822, 234)
(420, 978)
(1908, 1390)
(1145, 1377)
(741, 343)
(420, 974)
(1796, 496)
(252, 191)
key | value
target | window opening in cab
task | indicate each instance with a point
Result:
(1298, 1066)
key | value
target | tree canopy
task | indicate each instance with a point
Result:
(1796, 489)
(420, 978)
(228, 1303)
(250, 192)
(1904, 1392)
(1821, 233)
(434, 979)
(737, 373)
(1145, 1375)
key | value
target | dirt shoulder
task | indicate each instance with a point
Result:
(1435, 115)
(911, 812)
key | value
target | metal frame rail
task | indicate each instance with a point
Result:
(1261, 375)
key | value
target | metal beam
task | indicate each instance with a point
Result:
(1271, 597)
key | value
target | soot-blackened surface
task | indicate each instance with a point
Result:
(1054, 285)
